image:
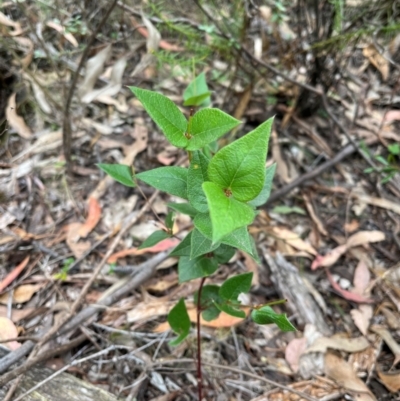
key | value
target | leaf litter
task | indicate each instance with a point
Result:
(71, 222)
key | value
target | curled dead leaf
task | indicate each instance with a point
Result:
(16, 121)
(343, 374)
(377, 60)
(93, 217)
(322, 344)
(390, 381)
(21, 294)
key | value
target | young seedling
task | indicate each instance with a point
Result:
(222, 189)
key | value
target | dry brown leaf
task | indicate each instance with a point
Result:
(21, 294)
(94, 67)
(322, 344)
(13, 274)
(390, 381)
(360, 238)
(392, 318)
(392, 115)
(94, 215)
(77, 247)
(389, 340)
(153, 36)
(67, 35)
(149, 310)
(161, 285)
(4, 20)
(365, 237)
(292, 239)
(330, 258)
(282, 169)
(379, 202)
(223, 320)
(293, 351)
(8, 331)
(164, 245)
(16, 121)
(16, 314)
(343, 374)
(313, 215)
(352, 226)
(27, 47)
(377, 60)
(362, 278)
(112, 88)
(362, 317)
(350, 296)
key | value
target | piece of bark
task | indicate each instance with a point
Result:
(63, 387)
(290, 286)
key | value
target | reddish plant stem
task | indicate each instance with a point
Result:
(199, 372)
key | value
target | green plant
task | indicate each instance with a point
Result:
(63, 273)
(389, 167)
(222, 191)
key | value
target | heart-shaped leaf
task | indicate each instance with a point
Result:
(154, 239)
(197, 93)
(239, 167)
(165, 114)
(242, 240)
(227, 214)
(178, 319)
(207, 125)
(172, 180)
(184, 248)
(266, 315)
(184, 208)
(190, 269)
(197, 174)
(263, 196)
(209, 297)
(120, 172)
(200, 244)
(234, 286)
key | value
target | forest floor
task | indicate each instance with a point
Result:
(328, 238)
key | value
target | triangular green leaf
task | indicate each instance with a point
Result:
(197, 174)
(266, 315)
(189, 269)
(202, 222)
(200, 100)
(201, 244)
(227, 214)
(183, 249)
(239, 167)
(120, 173)
(224, 253)
(263, 196)
(242, 240)
(207, 125)
(172, 180)
(184, 208)
(165, 114)
(154, 239)
(234, 286)
(179, 321)
(197, 93)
